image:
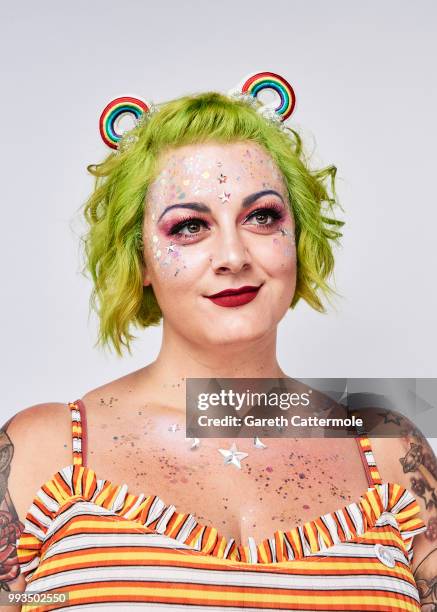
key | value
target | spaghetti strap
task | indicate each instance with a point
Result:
(368, 459)
(78, 431)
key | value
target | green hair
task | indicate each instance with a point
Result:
(113, 242)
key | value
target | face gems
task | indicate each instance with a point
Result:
(222, 178)
(233, 456)
(287, 234)
(284, 231)
(155, 247)
(174, 427)
(224, 197)
(170, 251)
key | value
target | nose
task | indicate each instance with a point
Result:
(230, 255)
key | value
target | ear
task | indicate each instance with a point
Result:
(146, 277)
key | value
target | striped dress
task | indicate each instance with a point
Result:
(109, 549)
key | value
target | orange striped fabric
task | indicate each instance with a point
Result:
(108, 548)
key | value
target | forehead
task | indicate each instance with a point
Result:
(213, 152)
(196, 165)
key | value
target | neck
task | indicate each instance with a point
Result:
(180, 358)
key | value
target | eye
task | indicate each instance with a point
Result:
(266, 216)
(262, 218)
(190, 227)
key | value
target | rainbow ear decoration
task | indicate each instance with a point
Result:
(112, 113)
(248, 90)
(260, 81)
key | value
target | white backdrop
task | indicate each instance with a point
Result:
(365, 81)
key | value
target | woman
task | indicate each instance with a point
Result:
(209, 219)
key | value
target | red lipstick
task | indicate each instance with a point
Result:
(230, 298)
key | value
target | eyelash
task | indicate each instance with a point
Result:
(272, 210)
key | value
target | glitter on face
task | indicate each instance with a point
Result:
(198, 177)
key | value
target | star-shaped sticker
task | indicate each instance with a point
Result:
(222, 178)
(196, 442)
(174, 427)
(233, 455)
(258, 444)
(224, 197)
(284, 231)
(170, 248)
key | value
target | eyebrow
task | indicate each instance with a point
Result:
(248, 200)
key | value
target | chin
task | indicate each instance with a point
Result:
(238, 332)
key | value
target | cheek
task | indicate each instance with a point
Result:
(174, 267)
(279, 255)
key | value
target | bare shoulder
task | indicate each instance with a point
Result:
(36, 443)
(133, 390)
(31, 449)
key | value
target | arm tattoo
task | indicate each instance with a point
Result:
(420, 461)
(426, 580)
(420, 464)
(10, 525)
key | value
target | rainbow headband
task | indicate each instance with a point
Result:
(248, 90)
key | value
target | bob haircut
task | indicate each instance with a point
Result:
(113, 242)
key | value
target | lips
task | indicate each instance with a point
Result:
(230, 298)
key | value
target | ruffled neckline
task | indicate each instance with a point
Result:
(76, 483)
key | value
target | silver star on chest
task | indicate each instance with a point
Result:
(258, 443)
(195, 444)
(233, 455)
